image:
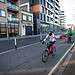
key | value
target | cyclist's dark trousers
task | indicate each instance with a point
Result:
(69, 39)
(50, 48)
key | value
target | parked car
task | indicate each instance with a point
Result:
(62, 36)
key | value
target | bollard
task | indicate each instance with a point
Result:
(15, 44)
(40, 36)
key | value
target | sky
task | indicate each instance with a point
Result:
(69, 8)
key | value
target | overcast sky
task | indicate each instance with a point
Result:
(69, 7)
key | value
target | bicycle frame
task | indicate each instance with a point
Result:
(46, 52)
(50, 49)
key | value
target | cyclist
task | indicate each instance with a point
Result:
(51, 41)
(69, 33)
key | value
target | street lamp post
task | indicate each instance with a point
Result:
(40, 28)
(40, 33)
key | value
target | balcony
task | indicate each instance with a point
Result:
(12, 7)
(13, 20)
(12, 0)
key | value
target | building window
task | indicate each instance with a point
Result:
(2, 13)
(45, 10)
(44, 17)
(25, 8)
(49, 0)
(34, 1)
(41, 1)
(51, 6)
(44, 2)
(47, 5)
(56, 17)
(47, 18)
(2, 1)
(49, 12)
(42, 9)
(40, 16)
(57, 0)
(24, 17)
(29, 18)
(56, 22)
(51, 19)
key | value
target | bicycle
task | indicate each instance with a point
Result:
(46, 53)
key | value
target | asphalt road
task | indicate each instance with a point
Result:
(28, 58)
(8, 44)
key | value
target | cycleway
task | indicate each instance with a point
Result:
(70, 67)
(28, 59)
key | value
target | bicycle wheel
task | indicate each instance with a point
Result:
(45, 56)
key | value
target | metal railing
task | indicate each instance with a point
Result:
(57, 67)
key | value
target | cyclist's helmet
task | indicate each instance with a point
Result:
(50, 33)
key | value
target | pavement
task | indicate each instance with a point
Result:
(70, 68)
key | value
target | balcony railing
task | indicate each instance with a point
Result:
(13, 20)
(12, 6)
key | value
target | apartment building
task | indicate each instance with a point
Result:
(26, 18)
(56, 15)
(46, 15)
(9, 18)
(15, 18)
(62, 19)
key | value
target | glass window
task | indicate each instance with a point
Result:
(51, 6)
(29, 18)
(47, 5)
(51, 19)
(2, 0)
(2, 13)
(40, 16)
(49, 0)
(24, 17)
(41, 1)
(56, 22)
(47, 18)
(44, 18)
(9, 4)
(49, 12)
(45, 11)
(52, 1)
(42, 9)
(44, 2)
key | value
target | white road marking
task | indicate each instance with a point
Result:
(59, 62)
(66, 62)
(18, 48)
(29, 45)
(7, 51)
